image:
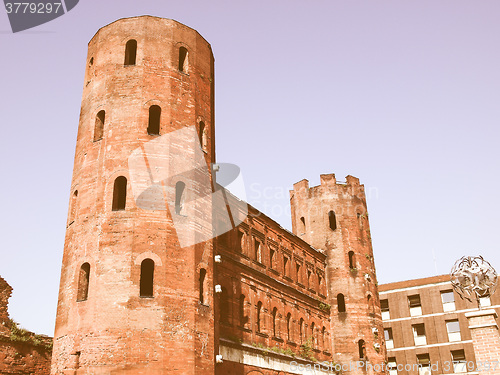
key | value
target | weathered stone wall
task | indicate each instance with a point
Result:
(5, 293)
(21, 351)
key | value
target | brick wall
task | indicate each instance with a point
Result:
(486, 340)
(21, 351)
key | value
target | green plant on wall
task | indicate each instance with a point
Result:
(325, 307)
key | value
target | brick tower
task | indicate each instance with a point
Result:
(333, 217)
(132, 300)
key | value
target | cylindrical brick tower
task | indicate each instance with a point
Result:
(333, 217)
(133, 299)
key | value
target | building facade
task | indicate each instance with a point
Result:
(425, 323)
(150, 284)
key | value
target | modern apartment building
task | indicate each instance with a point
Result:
(425, 324)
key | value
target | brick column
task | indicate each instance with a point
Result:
(486, 340)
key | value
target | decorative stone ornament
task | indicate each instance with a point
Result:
(473, 278)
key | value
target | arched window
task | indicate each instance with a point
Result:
(99, 125)
(275, 331)
(179, 196)
(288, 328)
(240, 242)
(202, 286)
(332, 220)
(340, 303)
(352, 264)
(202, 136)
(73, 207)
(302, 225)
(371, 307)
(361, 349)
(147, 276)
(130, 52)
(154, 120)
(83, 282)
(259, 316)
(243, 318)
(313, 338)
(119, 194)
(301, 330)
(224, 306)
(258, 250)
(183, 60)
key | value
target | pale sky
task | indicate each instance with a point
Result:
(402, 94)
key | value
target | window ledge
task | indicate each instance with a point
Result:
(244, 329)
(261, 334)
(279, 339)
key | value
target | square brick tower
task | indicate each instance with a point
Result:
(129, 299)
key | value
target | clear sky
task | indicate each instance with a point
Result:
(402, 94)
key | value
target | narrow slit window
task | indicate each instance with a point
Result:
(361, 349)
(301, 330)
(154, 120)
(288, 322)
(259, 316)
(130, 52)
(257, 249)
(83, 282)
(73, 209)
(313, 336)
(202, 136)
(302, 225)
(272, 254)
(183, 60)
(332, 220)
(147, 277)
(179, 197)
(275, 314)
(340, 303)
(240, 242)
(119, 194)
(203, 275)
(352, 263)
(99, 125)
(297, 271)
